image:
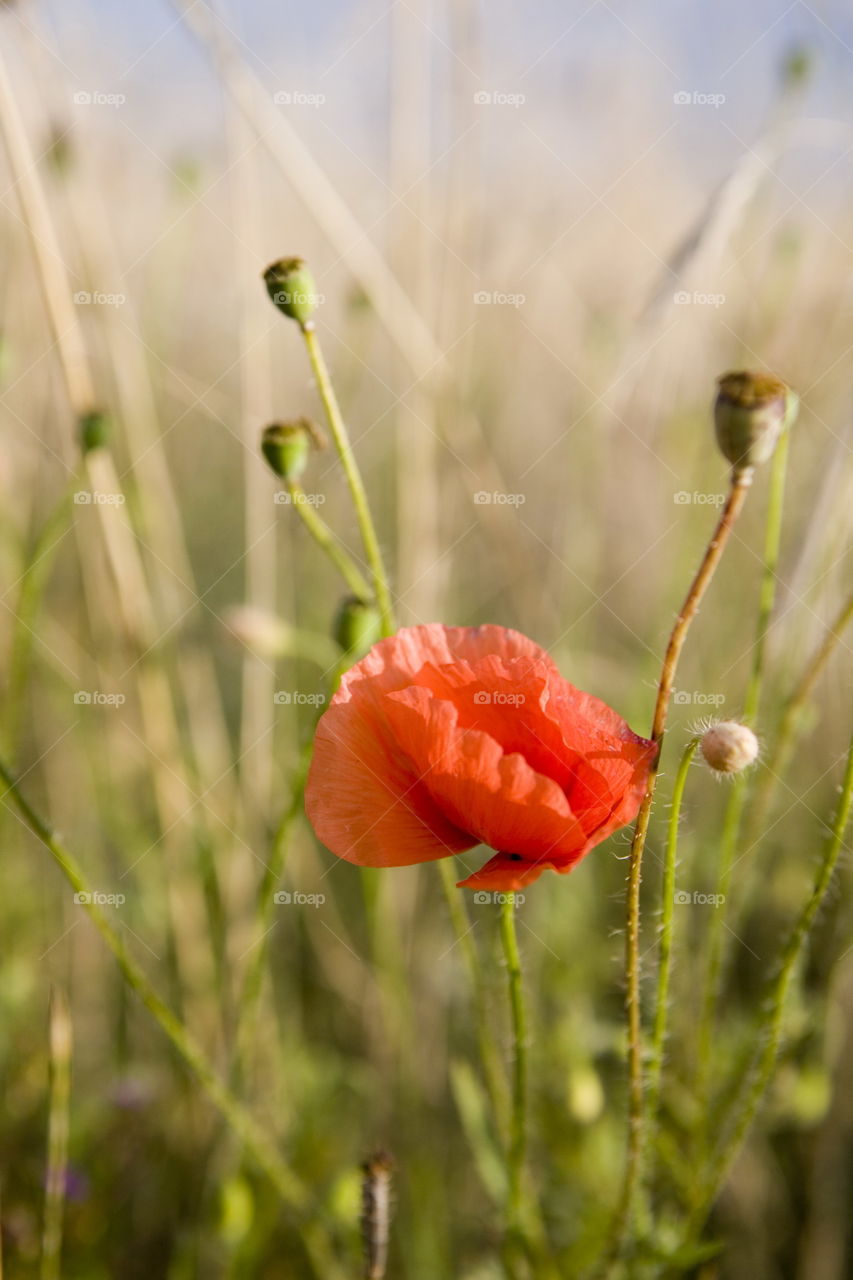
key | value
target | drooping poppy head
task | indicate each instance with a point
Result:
(444, 738)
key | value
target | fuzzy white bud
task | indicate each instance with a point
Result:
(729, 747)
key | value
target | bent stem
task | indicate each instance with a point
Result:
(250, 1133)
(733, 818)
(328, 543)
(665, 957)
(738, 489)
(770, 1026)
(518, 1122)
(340, 435)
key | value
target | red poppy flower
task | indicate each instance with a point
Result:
(444, 738)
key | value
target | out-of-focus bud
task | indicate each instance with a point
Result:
(286, 446)
(357, 625)
(94, 428)
(750, 413)
(729, 747)
(291, 287)
(258, 629)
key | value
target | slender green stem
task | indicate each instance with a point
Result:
(760, 1071)
(774, 768)
(739, 487)
(493, 1076)
(340, 435)
(57, 1141)
(253, 1137)
(518, 1122)
(666, 931)
(329, 543)
(730, 837)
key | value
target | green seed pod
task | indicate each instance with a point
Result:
(750, 413)
(94, 428)
(286, 446)
(291, 287)
(357, 625)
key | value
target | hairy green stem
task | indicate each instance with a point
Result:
(340, 435)
(666, 931)
(518, 1121)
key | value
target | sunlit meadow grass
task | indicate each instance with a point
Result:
(529, 399)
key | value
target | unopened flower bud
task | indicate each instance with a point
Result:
(291, 287)
(258, 629)
(286, 446)
(94, 428)
(729, 747)
(357, 625)
(750, 413)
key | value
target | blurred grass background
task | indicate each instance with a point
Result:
(594, 201)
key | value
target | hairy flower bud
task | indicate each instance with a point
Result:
(286, 446)
(291, 287)
(729, 747)
(750, 413)
(357, 625)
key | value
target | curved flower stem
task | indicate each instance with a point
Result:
(340, 435)
(770, 1026)
(665, 959)
(253, 1137)
(518, 1122)
(328, 543)
(791, 719)
(738, 489)
(732, 820)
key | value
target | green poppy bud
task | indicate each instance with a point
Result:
(291, 287)
(94, 428)
(357, 625)
(750, 413)
(286, 446)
